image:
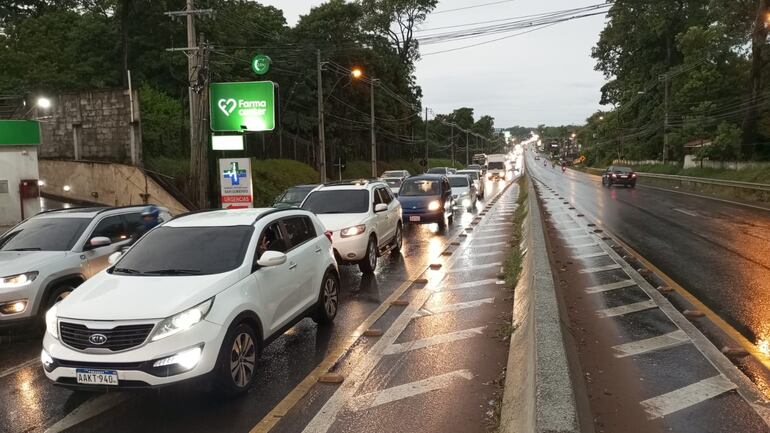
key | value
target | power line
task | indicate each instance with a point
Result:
(472, 7)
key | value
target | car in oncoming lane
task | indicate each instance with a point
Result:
(44, 258)
(618, 175)
(427, 199)
(364, 219)
(293, 196)
(169, 311)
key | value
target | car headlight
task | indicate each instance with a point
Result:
(434, 205)
(19, 280)
(182, 321)
(51, 324)
(353, 231)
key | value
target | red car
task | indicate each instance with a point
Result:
(615, 175)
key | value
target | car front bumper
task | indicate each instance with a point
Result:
(349, 249)
(25, 294)
(134, 367)
(425, 217)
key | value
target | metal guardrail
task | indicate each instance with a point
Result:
(709, 181)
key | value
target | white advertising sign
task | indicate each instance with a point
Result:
(235, 181)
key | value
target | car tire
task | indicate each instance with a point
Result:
(328, 300)
(369, 263)
(236, 366)
(442, 223)
(57, 295)
(398, 241)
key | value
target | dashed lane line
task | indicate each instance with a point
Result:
(625, 309)
(451, 308)
(690, 395)
(665, 341)
(91, 408)
(29, 363)
(400, 392)
(473, 268)
(686, 212)
(433, 341)
(610, 286)
(600, 269)
(590, 255)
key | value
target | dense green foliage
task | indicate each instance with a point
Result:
(704, 51)
(272, 176)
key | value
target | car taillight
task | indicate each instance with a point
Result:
(633, 174)
(614, 175)
(329, 235)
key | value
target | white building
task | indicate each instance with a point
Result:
(19, 143)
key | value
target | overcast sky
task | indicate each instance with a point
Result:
(546, 76)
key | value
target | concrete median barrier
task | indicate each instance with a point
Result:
(539, 395)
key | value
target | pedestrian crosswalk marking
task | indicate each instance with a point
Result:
(610, 286)
(600, 269)
(625, 309)
(690, 395)
(665, 341)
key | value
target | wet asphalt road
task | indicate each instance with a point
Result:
(717, 251)
(29, 403)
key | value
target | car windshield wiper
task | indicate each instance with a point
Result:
(126, 271)
(173, 272)
(25, 249)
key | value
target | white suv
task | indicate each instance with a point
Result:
(364, 218)
(199, 296)
(45, 257)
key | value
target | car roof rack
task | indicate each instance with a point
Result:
(107, 209)
(350, 182)
(70, 209)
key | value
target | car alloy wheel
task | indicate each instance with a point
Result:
(330, 296)
(399, 240)
(243, 358)
(372, 254)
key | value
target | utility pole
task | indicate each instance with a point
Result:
(374, 142)
(664, 77)
(197, 95)
(321, 140)
(467, 149)
(426, 138)
(452, 145)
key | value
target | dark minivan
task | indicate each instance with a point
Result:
(427, 199)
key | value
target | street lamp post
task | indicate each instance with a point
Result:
(357, 73)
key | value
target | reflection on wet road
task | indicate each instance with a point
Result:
(718, 251)
(29, 403)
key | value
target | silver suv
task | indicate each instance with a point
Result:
(45, 257)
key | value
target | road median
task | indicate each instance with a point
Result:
(539, 395)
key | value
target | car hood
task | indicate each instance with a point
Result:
(339, 221)
(458, 191)
(16, 262)
(134, 297)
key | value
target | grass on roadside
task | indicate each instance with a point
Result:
(514, 262)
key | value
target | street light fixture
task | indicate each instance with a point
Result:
(357, 73)
(44, 103)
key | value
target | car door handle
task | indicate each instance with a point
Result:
(318, 250)
(292, 265)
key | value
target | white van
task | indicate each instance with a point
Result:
(496, 167)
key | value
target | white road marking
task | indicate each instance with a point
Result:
(433, 341)
(400, 392)
(582, 245)
(88, 410)
(476, 238)
(450, 308)
(574, 237)
(473, 256)
(473, 268)
(590, 255)
(493, 244)
(29, 363)
(686, 212)
(625, 309)
(600, 269)
(665, 341)
(469, 285)
(498, 225)
(572, 230)
(610, 286)
(690, 395)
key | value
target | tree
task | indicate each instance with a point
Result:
(398, 19)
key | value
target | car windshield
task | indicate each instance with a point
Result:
(437, 170)
(473, 174)
(419, 187)
(458, 181)
(44, 234)
(496, 166)
(621, 169)
(177, 251)
(393, 173)
(394, 183)
(294, 195)
(338, 201)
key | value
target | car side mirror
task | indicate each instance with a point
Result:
(113, 258)
(380, 207)
(271, 258)
(99, 241)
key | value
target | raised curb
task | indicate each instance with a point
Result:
(539, 395)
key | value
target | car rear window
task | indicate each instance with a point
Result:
(417, 187)
(496, 166)
(393, 182)
(621, 170)
(338, 201)
(473, 174)
(44, 234)
(458, 181)
(437, 170)
(177, 251)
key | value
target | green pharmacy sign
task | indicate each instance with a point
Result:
(245, 106)
(260, 64)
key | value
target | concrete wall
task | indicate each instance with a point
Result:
(106, 183)
(92, 126)
(16, 163)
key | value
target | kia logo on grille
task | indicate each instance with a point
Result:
(97, 339)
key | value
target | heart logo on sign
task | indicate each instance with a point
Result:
(227, 105)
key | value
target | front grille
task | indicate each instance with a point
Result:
(119, 338)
